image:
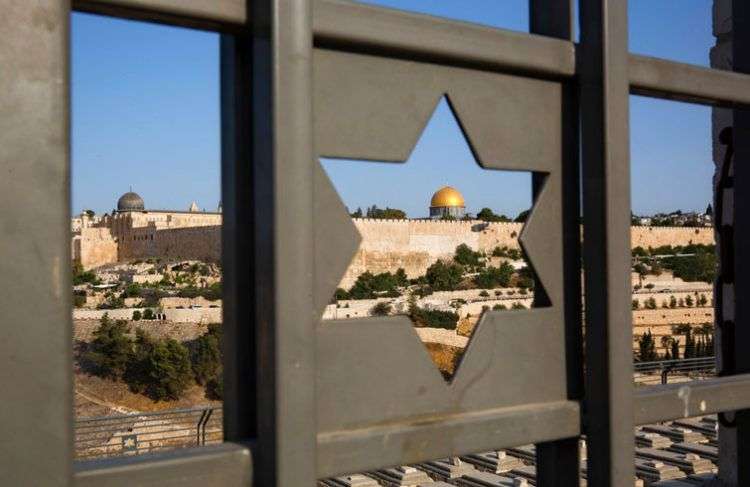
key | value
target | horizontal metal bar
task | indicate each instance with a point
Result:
(228, 464)
(425, 438)
(351, 25)
(669, 79)
(206, 14)
(686, 399)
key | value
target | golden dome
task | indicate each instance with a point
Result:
(447, 197)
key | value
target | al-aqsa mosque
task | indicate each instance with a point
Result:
(447, 202)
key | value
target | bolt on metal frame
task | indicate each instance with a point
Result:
(271, 187)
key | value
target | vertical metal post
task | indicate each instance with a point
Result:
(238, 241)
(604, 92)
(35, 275)
(283, 162)
(558, 461)
(741, 133)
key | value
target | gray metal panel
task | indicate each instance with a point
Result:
(670, 79)
(375, 108)
(696, 398)
(35, 337)
(557, 461)
(344, 23)
(228, 465)
(368, 107)
(283, 189)
(361, 379)
(335, 238)
(604, 88)
(433, 437)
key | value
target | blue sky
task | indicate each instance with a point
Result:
(145, 114)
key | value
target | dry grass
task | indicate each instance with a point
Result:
(445, 357)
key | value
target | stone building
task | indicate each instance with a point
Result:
(133, 232)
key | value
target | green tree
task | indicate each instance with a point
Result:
(148, 314)
(702, 300)
(133, 290)
(159, 368)
(443, 276)
(357, 214)
(672, 302)
(518, 305)
(205, 359)
(523, 216)
(675, 349)
(647, 348)
(109, 351)
(650, 303)
(465, 256)
(689, 301)
(499, 306)
(487, 215)
(341, 294)
(492, 277)
(137, 315)
(666, 344)
(635, 304)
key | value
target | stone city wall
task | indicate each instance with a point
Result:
(195, 243)
(414, 245)
(94, 247)
(175, 315)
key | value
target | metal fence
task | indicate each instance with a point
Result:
(141, 433)
(666, 371)
(307, 79)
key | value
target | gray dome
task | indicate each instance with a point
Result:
(130, 202)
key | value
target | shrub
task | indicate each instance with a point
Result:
(689, 301)
(79, 299)
(137, 315)
(369, 285)
(465, 256)
(433, 318)
(205, 355)
(160, 368)
(132, 290)
(650, 303)
(499, 307)
(672, 302)
(81, 277)
(109, 352)
(381, 309)
(635, 304)
(148, 314)
(647, 348)
(649, 286)
(484, 294)
(518, 305)
(444, 276)
(340, 294)
(494, 276)
(702, 300)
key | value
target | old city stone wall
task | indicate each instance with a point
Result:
(414, 245)
(198, 243)
(94, 247)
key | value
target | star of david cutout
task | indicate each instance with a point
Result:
(497, 291)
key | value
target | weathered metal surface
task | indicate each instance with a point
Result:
(603, 58)
(685, 82)
(228, 464)
(697, 398)
(35, 336)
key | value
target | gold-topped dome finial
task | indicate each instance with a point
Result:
(447, 197)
